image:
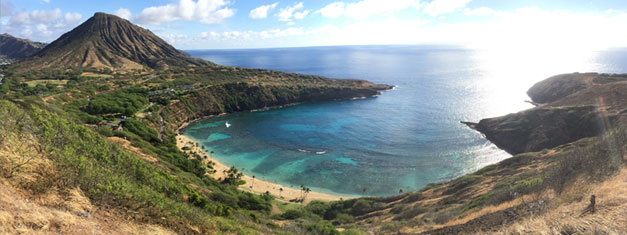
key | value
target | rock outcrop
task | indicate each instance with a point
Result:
(572, 106)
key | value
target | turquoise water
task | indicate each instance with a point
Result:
(402, 139)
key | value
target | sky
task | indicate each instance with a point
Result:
(226, 24)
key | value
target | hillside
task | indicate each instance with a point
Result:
(101, 154)
(88, 145)
(13, 49)
(571, 146)
(108, 41)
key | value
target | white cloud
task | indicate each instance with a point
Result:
(289, 13)
(264, 34)
(301, 15)
(43, 30)
(6, 8)
(205, 11)
(72, 18)
(40, 25)
(367, 8)
(262, 11)
(333, 10)
(46, 1)
(439, 7)
(481, 11)
(44, 16)
(525, 29)
(20, 18)
(174, 38)
(27, 32)
(123, 13)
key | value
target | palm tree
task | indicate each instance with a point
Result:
(307, 190)
(253, 183)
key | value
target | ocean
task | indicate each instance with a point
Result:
(403, 139)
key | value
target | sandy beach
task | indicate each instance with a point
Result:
(260, 186)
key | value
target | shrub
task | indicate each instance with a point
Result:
(250, 201)
(318, 207)
(225, 198)
(141, 129)
(324, 228)
(411, 213)
(363, 206)
(352, 232)
(126, 101)
(291, 214)
(342, 218)
(105, 131)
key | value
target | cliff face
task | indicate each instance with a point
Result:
(540, 128)
(572, 106)
(236, 97)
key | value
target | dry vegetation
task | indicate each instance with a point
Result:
(610, 216)
(551, 187)
(60, 212)
(58, 175)
(30, 203)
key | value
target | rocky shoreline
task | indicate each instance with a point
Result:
(569, 107)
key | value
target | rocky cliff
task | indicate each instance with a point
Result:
(571, 107)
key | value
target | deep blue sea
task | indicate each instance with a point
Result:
(403, 139)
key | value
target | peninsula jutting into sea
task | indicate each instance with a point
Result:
(110, 129)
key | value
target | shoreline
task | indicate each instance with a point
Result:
(185, 124)
(260, 186)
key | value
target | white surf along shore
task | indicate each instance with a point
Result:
(259, 186)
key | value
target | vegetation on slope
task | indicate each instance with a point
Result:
(125, 101)
(153, 181)
(72, 116)
(112, 176)
(564, 165)
(499, 194)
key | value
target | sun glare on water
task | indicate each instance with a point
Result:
(510, 72)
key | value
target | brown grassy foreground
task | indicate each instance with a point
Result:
(56, 213)
(610, 216)
(29, 206)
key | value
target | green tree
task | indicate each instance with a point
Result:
(233, 176)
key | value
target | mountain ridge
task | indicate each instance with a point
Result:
(13, 48)
(108, 41)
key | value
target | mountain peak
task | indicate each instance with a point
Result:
(101, 14)
(105, 16)
(108, 41)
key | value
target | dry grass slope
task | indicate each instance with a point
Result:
(610, 216)
(28, 205)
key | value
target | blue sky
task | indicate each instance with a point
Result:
(211, 24)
